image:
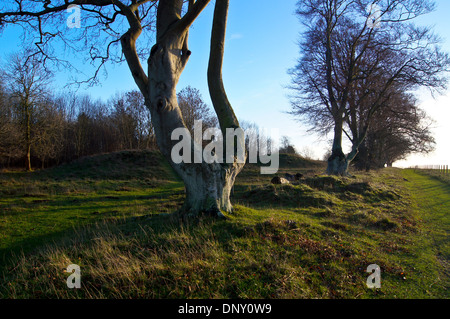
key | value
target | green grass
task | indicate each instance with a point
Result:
(437, 174)
(432, 200)
(311, 239)
(40, 206)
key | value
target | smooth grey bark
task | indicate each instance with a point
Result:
(337, 163)
(208, 186)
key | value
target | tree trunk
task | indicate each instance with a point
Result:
(337, 163)
(209, 191)
(28, 158)
(362, 161)
(208, 186)
(28, 138)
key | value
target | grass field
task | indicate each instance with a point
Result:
(439, 175)
(110, 214)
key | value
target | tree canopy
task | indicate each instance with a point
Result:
(355, 56)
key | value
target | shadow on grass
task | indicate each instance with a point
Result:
(104, 202)
(83, 234)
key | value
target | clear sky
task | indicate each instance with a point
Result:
(261, 46)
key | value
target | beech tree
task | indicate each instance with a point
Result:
(122, 22)
(401, 129)
(354, 55)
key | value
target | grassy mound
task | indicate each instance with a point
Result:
(41, 206)
(119, 165)
(292, 164)
(349, 187)
(121, 170)
(284, 196)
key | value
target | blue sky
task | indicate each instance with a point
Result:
(261, 46)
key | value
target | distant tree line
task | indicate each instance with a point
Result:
(361, 62)
(40, 128)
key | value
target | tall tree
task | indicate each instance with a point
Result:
(49, 132)
(125, 122)
(9, 133)
(207, 185)
(352, 57)
(28, 83)
(144, 129)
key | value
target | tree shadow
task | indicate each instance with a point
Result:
(160, 224)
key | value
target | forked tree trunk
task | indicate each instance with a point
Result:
(208, 186)
(337, 163)
(208, 192)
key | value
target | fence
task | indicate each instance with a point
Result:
(440, 169)
(441, 172)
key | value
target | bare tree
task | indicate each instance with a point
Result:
(193, 108)
(349, 61)
(286, 146)
(401, 129)
(208, 186)
(257, 140)
(49, 136)
(28, 83)
(132, 121)
(308, 153)
(144, 129)
(10, 137)
(125, 122)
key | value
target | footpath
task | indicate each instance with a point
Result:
(432, 200)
